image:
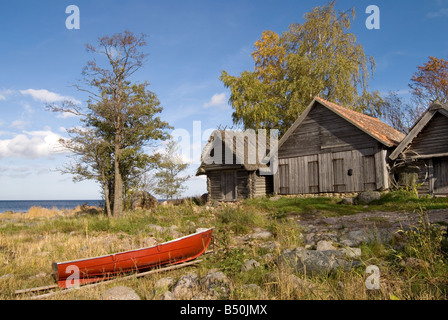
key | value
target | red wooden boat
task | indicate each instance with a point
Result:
(79, 272)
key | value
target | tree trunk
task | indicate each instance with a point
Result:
(106, 195)
(118, 184)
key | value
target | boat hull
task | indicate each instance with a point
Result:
(79, 272)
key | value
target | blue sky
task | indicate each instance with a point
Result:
(189, 44)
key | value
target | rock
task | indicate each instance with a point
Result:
(367, 197)
(252, 290)
(252, 287)
(218, 282)
(204, 199)
(348, 201)
(315, 262)
(355, 238)
(156, 227)
(120, 293)
(143, 200)
(7, 276)
(149, 242)
(164, 284)
(271, 246)
(268, 258)
(216, 285)
(351, 252)
(200, 230)
(250, 265)
(39, 275)
(186, 286)
(260, 234)
(414, 263)
(309, 238)
(167, 295)
(289, 280)
(299, 283)
(324, 245)
(206, 295)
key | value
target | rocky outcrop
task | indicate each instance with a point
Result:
(186, 286)
(143, 200)
(214, 285)
(311, 262)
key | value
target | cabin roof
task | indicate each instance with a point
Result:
(420, 124)
(374, 127)
(249, 144)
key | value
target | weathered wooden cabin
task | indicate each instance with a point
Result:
(331, 149)
(421, 159)
(232, 165)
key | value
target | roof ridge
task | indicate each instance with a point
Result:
(386, 133)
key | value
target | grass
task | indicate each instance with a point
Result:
(390, 201)
(30, 242)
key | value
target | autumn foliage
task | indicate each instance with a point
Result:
(430, 83)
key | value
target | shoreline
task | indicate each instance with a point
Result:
(23, 206)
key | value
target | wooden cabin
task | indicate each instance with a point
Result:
(231, 163)
(331, 149)
(421, 159)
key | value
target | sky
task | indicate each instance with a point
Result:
(189, 44)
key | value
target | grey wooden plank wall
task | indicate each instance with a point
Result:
(349, 171)
(323, 131)
(432, 140)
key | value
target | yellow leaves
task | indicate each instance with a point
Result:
(269, 55)
(316, 57)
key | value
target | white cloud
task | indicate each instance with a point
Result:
(443, 12)
(218, 100)
(46, 96)
(18, 124)
(5, 93)
(65, 115)
(31, 145)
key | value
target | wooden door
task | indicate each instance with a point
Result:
(228, 185)
(369, 173)
(339, 173)
(440, 176)
(313, 176)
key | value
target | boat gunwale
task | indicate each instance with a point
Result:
(133, 250)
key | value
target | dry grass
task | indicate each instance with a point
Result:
(30, 242)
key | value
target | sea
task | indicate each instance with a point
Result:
(25, 205)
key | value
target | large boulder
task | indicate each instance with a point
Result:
(215, 286)
(316, 262)
(186, 286)
(367, 197)
(143, 200)
(356, 237)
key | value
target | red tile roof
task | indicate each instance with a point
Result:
(372, 126)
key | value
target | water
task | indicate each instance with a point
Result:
(25, 205)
